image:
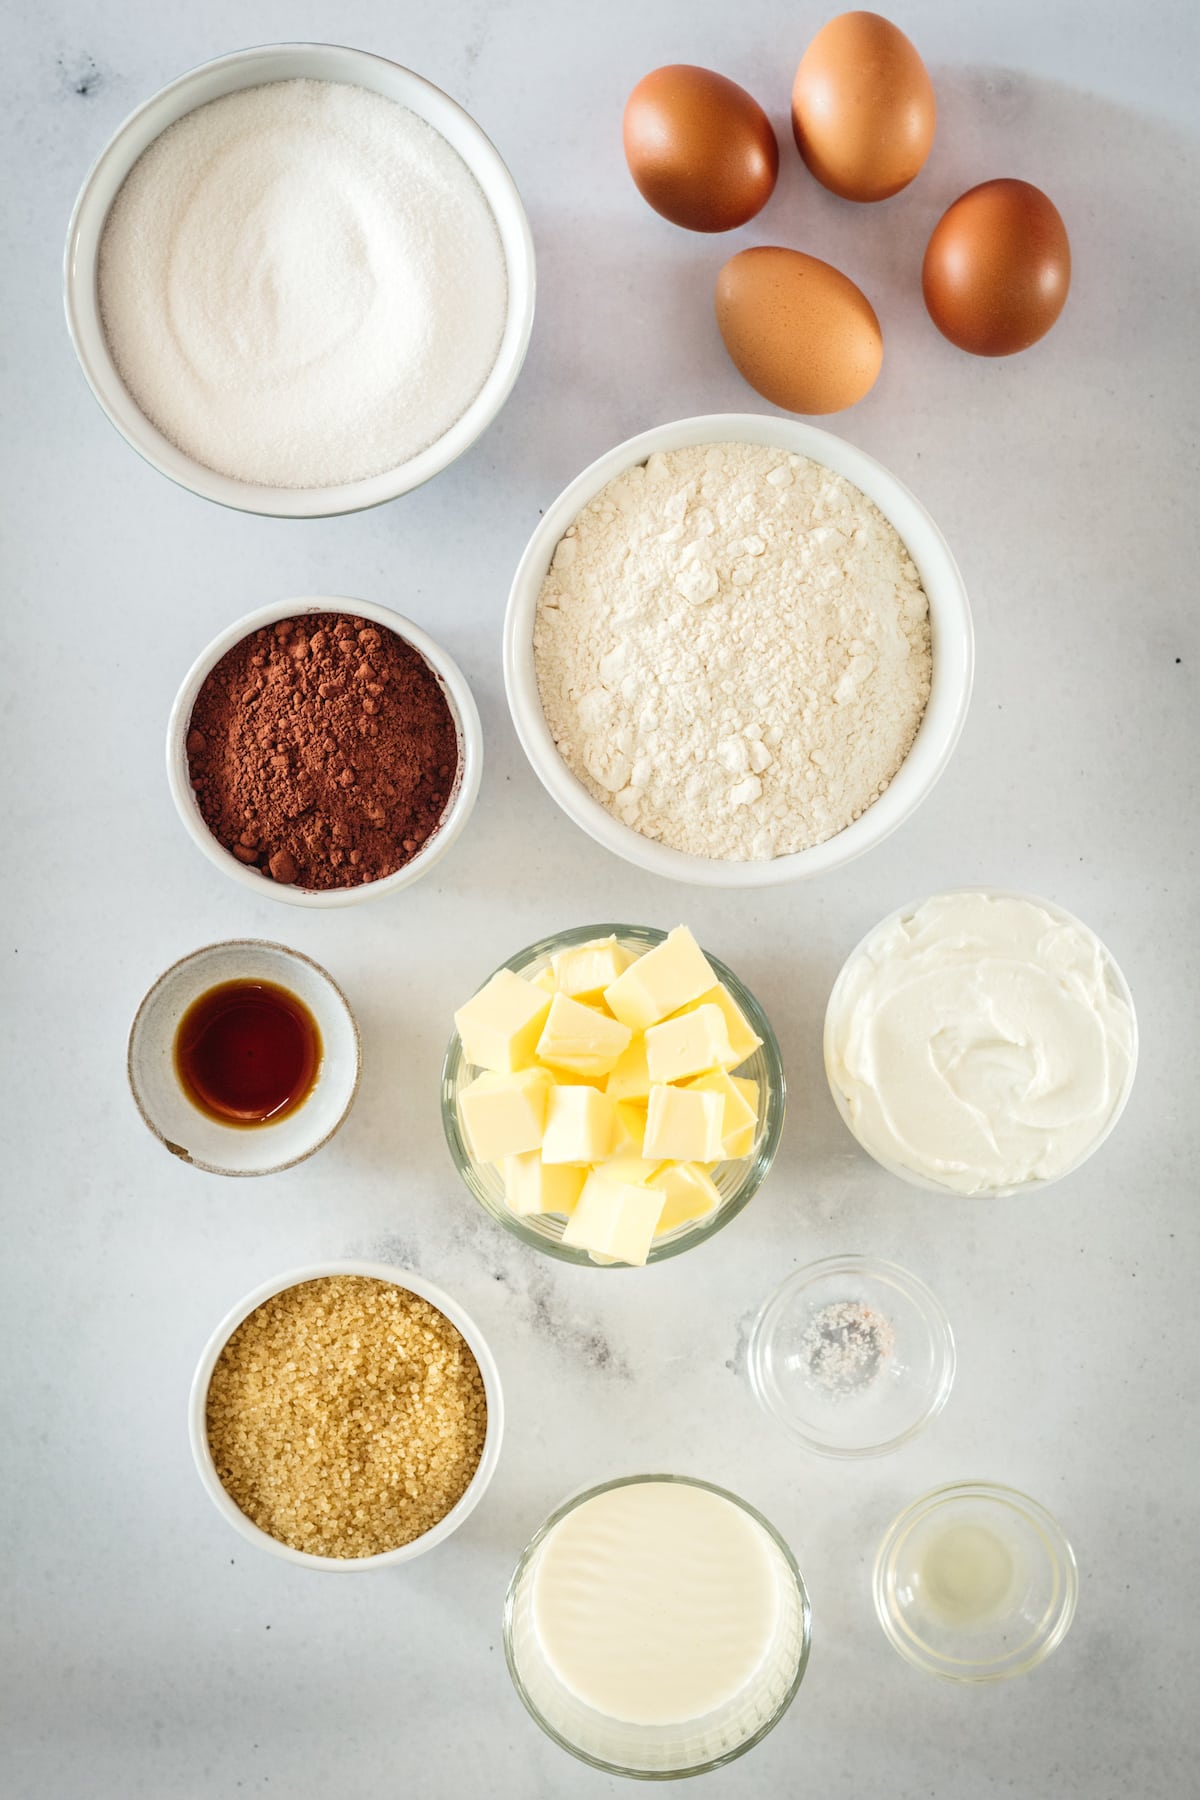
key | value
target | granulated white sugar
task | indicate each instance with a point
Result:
(302, 284)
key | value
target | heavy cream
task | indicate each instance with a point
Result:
(981, 1041)
(656, 1603)
(658, 1625)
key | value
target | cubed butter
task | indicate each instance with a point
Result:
(614, 1220)
(500, 1027)
(740, 1117)
(689, 1045)
(625, 1170)
(505, 1115)
(573, 1078)
(742, 1037)
(532, 1186)
(684, 1125)
(741, 1143)
(579, 1126)
(661, 982)
(630, 1128)
(629, 1078)
(586, 970)
(689, 1192)
(578, 1038)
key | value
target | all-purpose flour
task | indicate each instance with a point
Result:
(302, 284)
(733, 651)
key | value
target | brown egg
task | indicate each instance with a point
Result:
(700, 148)
(800, 331)
(997, 268)
(863, 111)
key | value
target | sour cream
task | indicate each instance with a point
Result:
(980, 1042)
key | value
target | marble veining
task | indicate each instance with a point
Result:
(147, 1655)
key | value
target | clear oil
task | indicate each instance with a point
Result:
(966, 1574)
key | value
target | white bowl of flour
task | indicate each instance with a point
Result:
(300, 280)
(738, 651)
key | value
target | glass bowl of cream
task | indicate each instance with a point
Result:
(657, 1627)
(980, 1042)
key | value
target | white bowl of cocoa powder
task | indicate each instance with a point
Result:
(324, 751)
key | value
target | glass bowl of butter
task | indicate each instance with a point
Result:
(613, 1095)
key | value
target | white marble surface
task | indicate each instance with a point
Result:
(145, 1651)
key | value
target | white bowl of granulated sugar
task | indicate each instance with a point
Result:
(300, 280)
(738, 651)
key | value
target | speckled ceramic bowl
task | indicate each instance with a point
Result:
(179, 1125)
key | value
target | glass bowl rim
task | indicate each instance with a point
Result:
(1057, 1544)
(861, 1264)
(775, 1104)
(578, 1499)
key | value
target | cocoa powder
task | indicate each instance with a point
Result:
(322, 751)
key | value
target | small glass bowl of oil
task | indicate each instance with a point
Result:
(975, 1582)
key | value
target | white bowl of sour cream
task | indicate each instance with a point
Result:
(981, 1042)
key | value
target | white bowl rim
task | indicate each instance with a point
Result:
(377, 1271)
(910, 1175)
(180, 962)
(953, 659)
(462, 707)
(863, 1264)
(81, 303)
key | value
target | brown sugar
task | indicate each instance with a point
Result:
(346, 1416)
(322, 751)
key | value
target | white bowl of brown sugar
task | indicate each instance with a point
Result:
(347, 1416)
(323, 751)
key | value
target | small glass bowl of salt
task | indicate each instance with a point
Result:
(852, 1355)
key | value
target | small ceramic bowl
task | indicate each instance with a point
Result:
(975, 1582)
(949, 613)
(179, 1124)
(459, 1512)
(1117, 983)
(658, 1752)
(738, 1181)
(228, 75)
(463, 711)
(862, 1378)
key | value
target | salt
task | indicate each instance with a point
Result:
(302, 284)
(845, 1347)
